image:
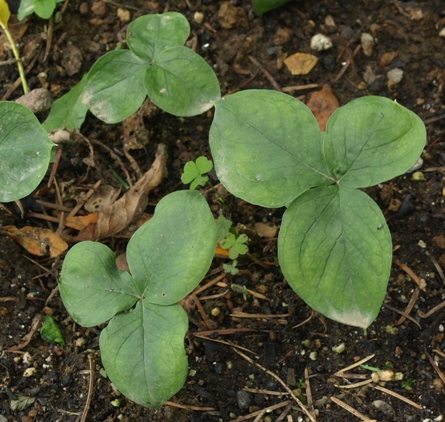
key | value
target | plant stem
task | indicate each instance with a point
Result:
(17, 57)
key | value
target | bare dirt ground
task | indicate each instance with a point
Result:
(283, 335)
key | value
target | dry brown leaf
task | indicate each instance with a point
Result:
(301, 63)
(323, 103)
(81, 221)
(119, 215)
(266, 230)
(37, 241)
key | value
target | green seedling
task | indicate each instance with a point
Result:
(42, 8)
(235, 243)
(194, 172)
(263, 6)
(50, 331)
(178, 80)
(334, 245)
(142, 347)
(25, 151)
(231, 268)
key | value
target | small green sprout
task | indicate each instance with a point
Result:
(236, 244)
(194, 172)
(50, 331)
(231, 268)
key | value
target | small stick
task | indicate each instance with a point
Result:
(398, 396)
(439, 352)
(284, 413)
(354, 365)
(54, 167)
(437, 266)
(355, 385)
(299, 87)
(409, 308)
(260, 416)
(28, 337)
(266, 392)
(87, 196)
(297, 400)
(209, 284)
(207, 322)
(191, 408)
(412, 274)
(268, 410)
(226, 343)
(349, 409)
(7, 298)
(435, 367)
(431, 311)
(266, 73)
(310, 402)
(53, 206)
(391, 308)
(49, 38)
(266, 316)
(90, 390)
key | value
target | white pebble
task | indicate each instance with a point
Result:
(198, 17)
(395, 76)
(367, 41)
(321, 42)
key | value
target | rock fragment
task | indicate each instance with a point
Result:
(367, 41)
(321, 42)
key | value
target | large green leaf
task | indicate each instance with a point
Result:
(114, 89)
(267, 147)
(25, 151)
(335, 251)
(148, 35)
(143, 352)
(371, 140)
(181, 82)
(68, 111)
(93, 290)
(170, 254)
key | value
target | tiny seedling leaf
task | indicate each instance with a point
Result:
(44, 8)
(148, 35)
(50, 331)
(224, 226)
(68, 112)
(114, 89)
(22, 402)
(181, 82)
(194, 171)
(25, 151)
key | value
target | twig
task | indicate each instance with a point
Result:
(266, 73)
(207, 322)
(420, 282)
(266, 392)
(437, 266)
(49, 38)
(310, 402)
(297, 400)
(431, 311)
(405, 315)
(265, 316)
(397, 396)
(267, 409)
(341, 372)
(90, 390)
(28, 337)
(435, 367)
(230, 344)
(349, 409)
(299, 87)
(186, 407)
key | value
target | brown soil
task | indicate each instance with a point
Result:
(299, 342)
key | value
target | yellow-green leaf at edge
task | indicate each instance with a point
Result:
(4, 13)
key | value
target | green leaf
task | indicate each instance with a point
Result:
(68, 111)
(22, 402)
(171, 253)
(93, 290)
(44, 8)
(193, 171)
(335, 251)
(267, 147)
(181, 82)
(203, 165)
(114, 88)
(263, 6)
(371, 140)
(4, 13)
(50, 331)
(224, 226)
(148, 35)
(26, 8)
(25, 151)
(143, 352)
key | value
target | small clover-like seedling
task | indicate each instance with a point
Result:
(195, 171)
(334, 245)
(231, 268)
(142, 348)
(178, 80)
(25, 151)
(236, 244)
(42, 8)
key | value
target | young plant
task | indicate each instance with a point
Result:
(142, 348)
(42, 8)
(25, 151)
(263, 6)
(178, 80)
(195, 171)
(334, 246)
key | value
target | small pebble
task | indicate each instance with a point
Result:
(383, 407)
(321, 42)
(339, 349)
(367, 41)
(38, 100)
(394, 76)
(198, 17)
(442, 33)
(418, 176)
(243, 399)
